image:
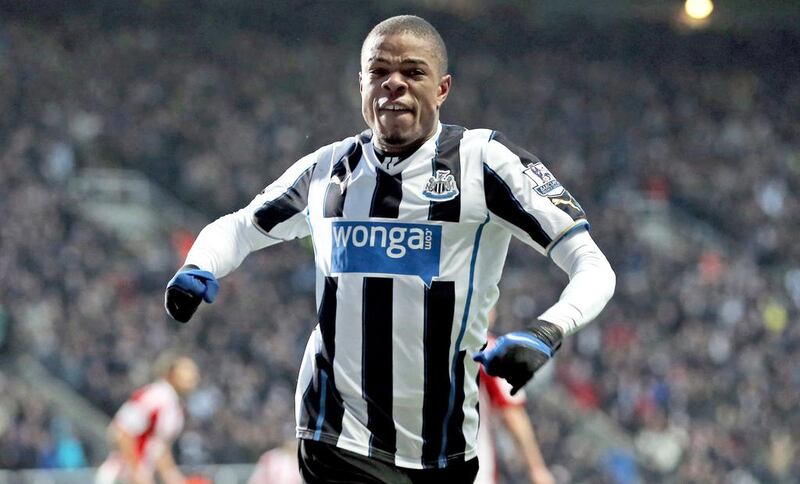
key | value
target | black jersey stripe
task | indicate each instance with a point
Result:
(288, 204)
(327, 317)
(564, 201)
(456, 444)
(448, 158)
(332, 406)
(387, 195)
(525, 156)
(377, 381)
(337, 186)
(500, 200)
(439, 310)
(322, 407)
(328, 401)
(308, 411)
(322, 403)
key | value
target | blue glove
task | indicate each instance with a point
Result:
(187, 289)
(517, 356)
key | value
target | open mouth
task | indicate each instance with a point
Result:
(394, 109)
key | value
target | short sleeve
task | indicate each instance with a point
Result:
(524, 197)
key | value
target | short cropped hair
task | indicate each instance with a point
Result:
(415, 25)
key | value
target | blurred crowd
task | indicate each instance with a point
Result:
(33, 434)
(697, 358)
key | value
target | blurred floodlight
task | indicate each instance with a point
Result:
(698, 9)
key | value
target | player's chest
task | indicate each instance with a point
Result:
(422, 192)
(372, 221)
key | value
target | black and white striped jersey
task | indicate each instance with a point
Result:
(409, 252)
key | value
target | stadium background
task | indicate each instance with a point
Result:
(125, 126)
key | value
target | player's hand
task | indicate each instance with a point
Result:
(187, 289)
(517, 356)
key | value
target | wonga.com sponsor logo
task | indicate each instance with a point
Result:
(386, 248)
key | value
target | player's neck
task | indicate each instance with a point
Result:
(393, 155)
(388, 160)
(383, 151)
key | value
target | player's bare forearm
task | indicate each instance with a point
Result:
(168, 470)
(520, 427)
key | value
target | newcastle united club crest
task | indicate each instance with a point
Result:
(441, 187)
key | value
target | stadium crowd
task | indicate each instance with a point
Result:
(697, 357)
(32, 433)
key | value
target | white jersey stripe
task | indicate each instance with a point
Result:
(407, 367)
(347, 366)
(360, 190)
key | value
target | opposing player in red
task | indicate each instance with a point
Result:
(278, 465)
(144, 428)
(499, 406)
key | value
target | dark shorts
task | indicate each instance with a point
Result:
(325, 463)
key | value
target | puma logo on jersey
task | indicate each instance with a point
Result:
(569, 202)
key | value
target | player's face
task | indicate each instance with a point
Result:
(402, 88)
(185, 376)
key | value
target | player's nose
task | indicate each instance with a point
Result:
(395, 83)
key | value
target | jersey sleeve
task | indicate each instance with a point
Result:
(275, 215)
(525, 198)
(279, 210)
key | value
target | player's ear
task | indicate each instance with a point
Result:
(444, 88)
(360, 82)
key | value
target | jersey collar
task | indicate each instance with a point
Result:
(395, 164)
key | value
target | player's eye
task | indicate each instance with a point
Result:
(377, 72)
(416, 73)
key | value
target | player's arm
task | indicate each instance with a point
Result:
(168, 470)
(519, 425)
(511, 409)
(523, 197)
(275, 215)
